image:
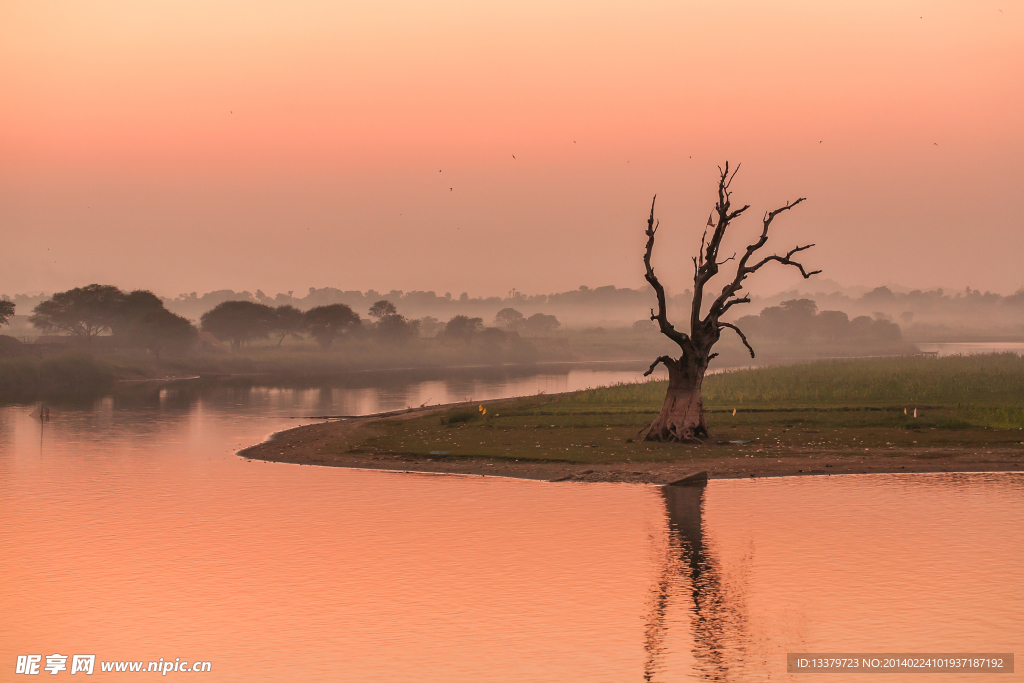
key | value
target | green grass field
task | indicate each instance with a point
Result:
(842, 406)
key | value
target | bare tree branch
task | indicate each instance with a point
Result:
(705, 332)
(709, 266)
(732, 302)
(703, 245)
(786, 260)
(739, 332)
(727, 170)
(662, 315)
(660, 359)
(722, 304)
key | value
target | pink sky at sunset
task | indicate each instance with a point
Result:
(192, 146)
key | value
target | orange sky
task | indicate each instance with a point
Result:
(198, 145)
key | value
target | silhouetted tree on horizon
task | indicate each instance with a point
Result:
(539, 323)
(327, 323)
(239, 322)
(84, 312)
(382, 309)
(682, 414)
(509, 319)
(463, 327)
(390, 325)
(396, 328)
(143, 321)
(429, 326)
(288, 321)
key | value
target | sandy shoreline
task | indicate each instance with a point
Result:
(315, 444)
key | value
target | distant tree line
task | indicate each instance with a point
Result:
(242, 322)
(537, 324)
(966, 308)
(429, 304)
(798, 321)
(925, 310)
(135, 319)
(140, 319)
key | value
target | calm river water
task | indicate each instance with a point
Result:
(130, 530)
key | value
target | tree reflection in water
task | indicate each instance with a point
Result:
(691, 578)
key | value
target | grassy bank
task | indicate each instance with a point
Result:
(71, 375)
(844, 408)
(983, 390)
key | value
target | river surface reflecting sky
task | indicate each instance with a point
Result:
(130, 530)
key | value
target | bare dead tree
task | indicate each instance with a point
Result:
(682, 415)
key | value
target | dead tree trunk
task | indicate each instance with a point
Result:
(682, 415)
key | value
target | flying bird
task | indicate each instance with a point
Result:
(936, 144)
(513, 156)
(450, 189)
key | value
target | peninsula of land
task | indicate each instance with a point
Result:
(846, 418)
